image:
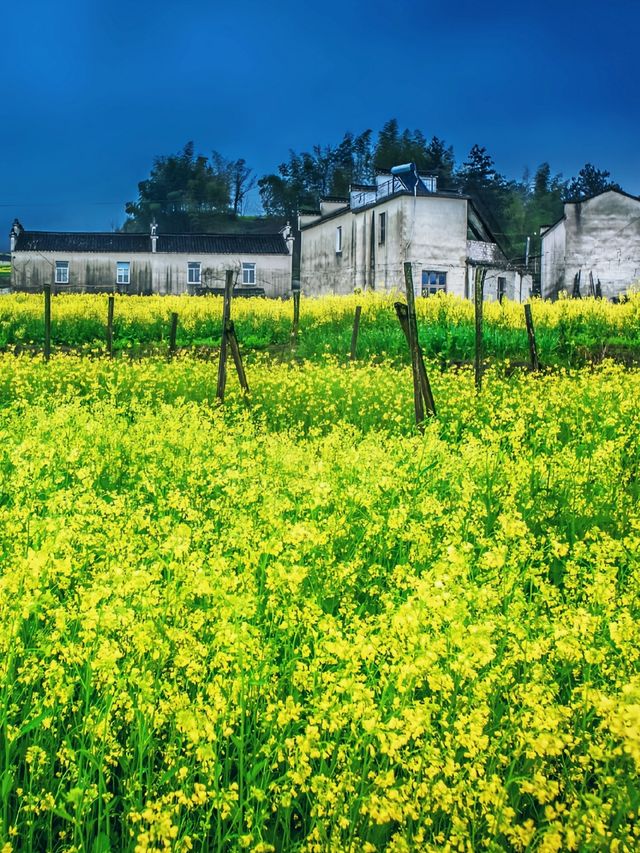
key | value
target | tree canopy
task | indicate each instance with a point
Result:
(190, 192)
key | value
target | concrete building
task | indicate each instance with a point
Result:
(153, 263)
(595, 247)
(363, 241)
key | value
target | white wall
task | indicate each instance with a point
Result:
(429, 232)
(149, 272)
(552, 260)
(599, 236)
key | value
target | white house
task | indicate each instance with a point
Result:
(594, 247)
(364, 241)
(150, 263)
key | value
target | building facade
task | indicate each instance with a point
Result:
(155, 263)
(364, 241)
(594, 249)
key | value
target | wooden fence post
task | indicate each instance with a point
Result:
(478, 295)
(296, 315)
(47, 321)
(110, 307)
(354, 334)
(173, 334)
(531, 332)
(226, 316)
(237, 358)
(413, 346)
(425, 386)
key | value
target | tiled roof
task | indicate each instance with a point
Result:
(126, 244)
(223, 244)
(55, 241)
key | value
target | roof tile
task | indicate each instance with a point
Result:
(125, 244)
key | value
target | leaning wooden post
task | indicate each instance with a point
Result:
(296, 315)
(237, 358)
(226, 316)
(478, 294)
(531, 332)
(110, 307)
(173, 332)
(354, 334)
(47, 321)
(425, 386)
(413, 346)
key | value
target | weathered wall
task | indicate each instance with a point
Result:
(602, 237)
(149, 272)
(518, 287)
(429, 232)
(552, 261)
(322, 269)
(435, 238)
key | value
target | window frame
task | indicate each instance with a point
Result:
(501, 288)
(123, 267)
(382, 228)
(431, 288)
(62, 266)
(338, 239)
(249, 268)
(196, 268)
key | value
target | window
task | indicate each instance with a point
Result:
(193, 272)
(433, 282)
(339, 239)
(62, 272)
(382, 230)
(502, 288)
(122, 272)
(248, 273)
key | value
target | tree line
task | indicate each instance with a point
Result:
(190, 192)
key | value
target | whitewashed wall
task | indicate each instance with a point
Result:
(599, 236)
(149, 272)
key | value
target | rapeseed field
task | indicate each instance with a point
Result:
(293, 623)
(569, 332)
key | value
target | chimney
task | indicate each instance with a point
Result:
(154, 235)
(16, 231)
(287, 233)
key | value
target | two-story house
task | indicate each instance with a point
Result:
(363, 241)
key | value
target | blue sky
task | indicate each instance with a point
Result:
(94, 90)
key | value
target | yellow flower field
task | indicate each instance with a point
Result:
(292, 623)
(569, 331)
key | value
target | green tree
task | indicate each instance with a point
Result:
(324, 171)
(441, 161)
(394, 148)
(188, 192)
(589, 182)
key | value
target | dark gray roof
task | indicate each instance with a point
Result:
(126, 244)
